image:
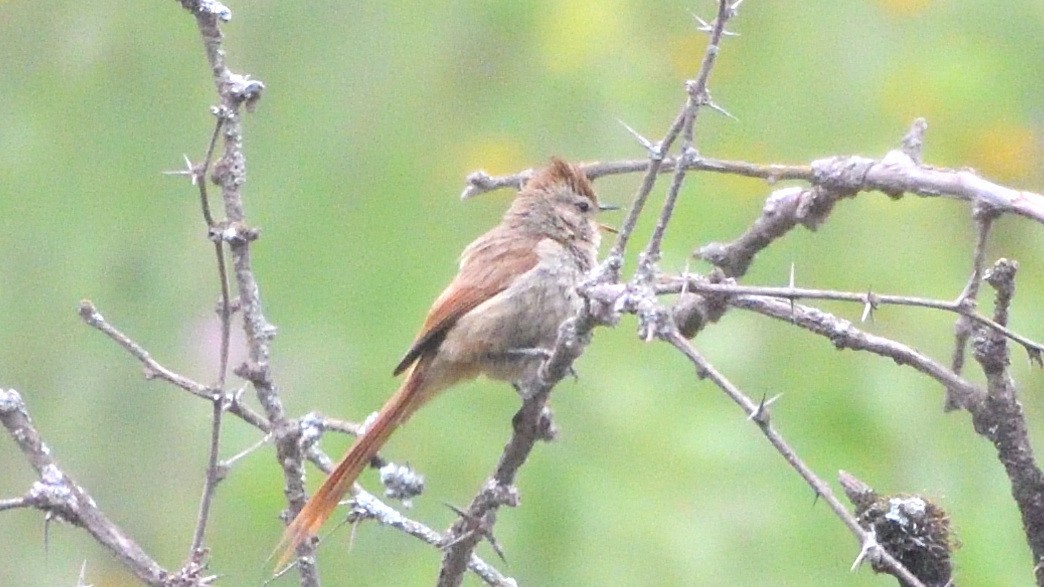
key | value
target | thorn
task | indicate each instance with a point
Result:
(685, 277)
(82, 580)
(455, 541)
(735, 6)
(190, 171)
(706, 27)
(869, 307)
(868, 545)
(477, 526)
(760, 414)
(714, 106)
(653, 149)
(1035, 357)
(351, 535)
(229, 462)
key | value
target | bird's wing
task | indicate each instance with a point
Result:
(488, 266)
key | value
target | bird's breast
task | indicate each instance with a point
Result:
(504, 336)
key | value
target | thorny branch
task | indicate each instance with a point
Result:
(214, 473)
(533, 422)
(698, 96)
(312, 426)
(58, 495)
(996, 412)
(893, 174)
(62, 499)
(758, 413)
(675, 285)
(702, 301)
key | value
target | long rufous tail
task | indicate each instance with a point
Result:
(406, 400)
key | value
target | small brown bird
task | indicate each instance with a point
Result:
(516, 285)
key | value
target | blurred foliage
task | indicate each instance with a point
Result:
(373, 115)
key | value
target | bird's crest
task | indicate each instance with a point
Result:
(559, 172)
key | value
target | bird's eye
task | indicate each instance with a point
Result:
(583, 205)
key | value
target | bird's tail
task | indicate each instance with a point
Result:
(395, 411)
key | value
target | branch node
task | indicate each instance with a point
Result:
(244, 90)
(251, 371)
(760, 414)
(401, 482)
(869, 307)
(870, 547)
(914, 140)
(1002, 278)
(208, 8)
(234, 233)
(310, 430)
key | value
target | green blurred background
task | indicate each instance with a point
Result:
(373, 115)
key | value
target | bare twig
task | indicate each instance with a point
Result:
(968, 297)
(236, 92)
(15, 503)
(154, 369)
(610, 268)
(891, 175)
(698, 96)
(366, 507)
(757, 412)
(844, 335)
(214, 473)
(692, 284)
(60, 496)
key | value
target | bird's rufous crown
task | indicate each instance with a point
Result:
(560, 172)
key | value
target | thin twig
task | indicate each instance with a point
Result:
(232, 460)
(843, 334)
(154, 369)
(59, 495)
(15, 502)
(212, 478)
(698, 96)
(673, 285)
(969, 295)
(758, 413)
(366, 506)
(213, 475)
(237, 92)
(890, 175)
(373, 508)
(609, 271)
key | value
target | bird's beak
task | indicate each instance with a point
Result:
(607, 208)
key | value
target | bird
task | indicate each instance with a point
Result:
(498, 317)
